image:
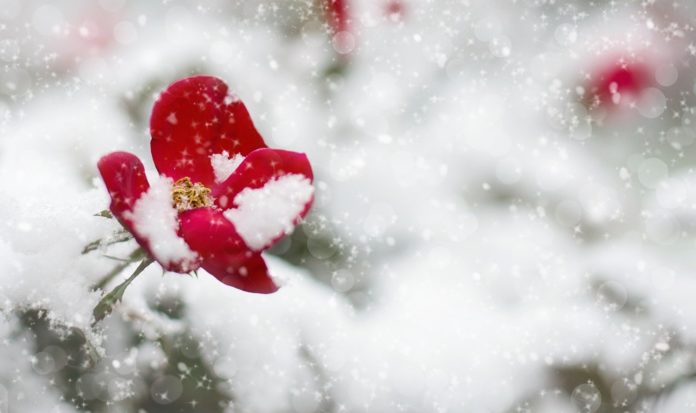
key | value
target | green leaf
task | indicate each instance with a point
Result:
(91, 246)
(117, 237)
(104, 214)
(108, 302)
(134, 256)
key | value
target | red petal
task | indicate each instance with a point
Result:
(251, 276)
(124, 176)
(257, 169)
(193, 119)
(223, 251)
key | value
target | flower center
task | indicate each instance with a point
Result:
(187, 195)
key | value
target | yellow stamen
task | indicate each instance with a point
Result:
(187, 195)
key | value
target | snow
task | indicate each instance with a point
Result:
(24, 382)
(476, 230)
(264, 214)
(155, 219)
(684, 398)
(224, 165)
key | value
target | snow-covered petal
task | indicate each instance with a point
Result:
(124, 177)
(155, 220)
(258, 168)
(263, 215)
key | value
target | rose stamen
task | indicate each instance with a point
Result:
(187, 195)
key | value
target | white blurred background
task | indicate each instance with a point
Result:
(505, 217)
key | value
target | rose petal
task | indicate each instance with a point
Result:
(250, 276)
(257, 169)
(267, 196)
(125, 179)
(193, 119)
(124, 176)
(264, 215)
(223, 251)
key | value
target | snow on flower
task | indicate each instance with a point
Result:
(183, 219)
(224, 165)
(262, 214)
(155, 219)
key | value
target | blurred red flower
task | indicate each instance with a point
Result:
(618, 84)
(394, 9)
(337, 15)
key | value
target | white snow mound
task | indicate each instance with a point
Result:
(263, 214)
(224, 165)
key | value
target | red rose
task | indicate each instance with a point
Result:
(222, 196)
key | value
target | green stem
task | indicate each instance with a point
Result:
(134, 256)
(121, 236)
(109, 301)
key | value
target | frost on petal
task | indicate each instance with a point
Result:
(156, 220)
(264, 214)
(224, 165)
